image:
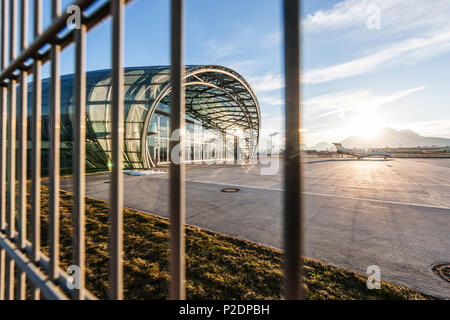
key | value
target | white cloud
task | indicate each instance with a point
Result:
(245, 66)
(267, 82)
(351, 100)
(407, 51)
(328, 103)
(396, 15)
(436, 128)
(343, 14)
(411, 31)
(271, 100)
(218, 51)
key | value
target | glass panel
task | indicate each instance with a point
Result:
(163, 152)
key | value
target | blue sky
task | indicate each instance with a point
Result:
(358, 80)
(355, 79)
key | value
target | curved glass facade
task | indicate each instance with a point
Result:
(222, 115)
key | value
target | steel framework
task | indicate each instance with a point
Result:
(217, 97)
(192, 91)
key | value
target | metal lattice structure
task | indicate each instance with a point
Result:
(16, 250)
(217, 96)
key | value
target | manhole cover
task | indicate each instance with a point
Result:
(230, 190)
(442, 270)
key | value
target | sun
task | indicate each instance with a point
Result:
(367, 126)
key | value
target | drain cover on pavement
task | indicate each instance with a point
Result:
(230, 190)
(442, 270)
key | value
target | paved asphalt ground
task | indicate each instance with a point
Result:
(391, 213)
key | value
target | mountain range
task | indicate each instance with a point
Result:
(388, 137)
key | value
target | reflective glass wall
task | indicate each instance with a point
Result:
(200, 143)
(218, 111)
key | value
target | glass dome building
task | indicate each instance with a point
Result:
(222, 117)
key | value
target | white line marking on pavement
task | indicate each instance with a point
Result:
(234, 185)
(250, 168)
(377, 200)
(325, 195)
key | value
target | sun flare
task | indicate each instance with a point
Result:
(367, 126)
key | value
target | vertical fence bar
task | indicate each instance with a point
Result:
(8, 159)
(54, 160)
(4, 30)
(22, 148)
(36, 147)
(79, 136)
(177, 188)
(11, 161)
(11, 165)
(293, 204)
(117, 110)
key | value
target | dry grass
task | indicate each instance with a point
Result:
(217, 266)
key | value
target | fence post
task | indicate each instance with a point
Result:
(293, 204)
(177, 188)
(117, 114)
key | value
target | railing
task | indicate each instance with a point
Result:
(16, 251)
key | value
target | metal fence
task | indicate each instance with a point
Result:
(17, 252)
